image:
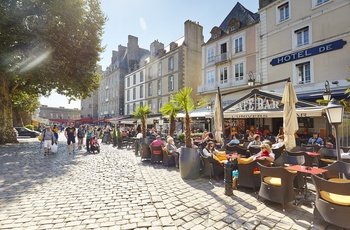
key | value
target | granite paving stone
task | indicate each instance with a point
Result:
(115, 190)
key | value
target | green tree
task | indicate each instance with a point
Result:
(170, 109)
(48, 45)
(142, 112)
(184, 100)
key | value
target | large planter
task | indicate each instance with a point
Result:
(119, 142)
(189, 163)
(146, 141)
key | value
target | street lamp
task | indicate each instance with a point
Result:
(160, 123)
(327, 94)
(335, 112)
(251, 80)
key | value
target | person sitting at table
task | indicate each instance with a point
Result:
(330, 142)
(250, 136)
(234, 140)
(256, 141)
(257, 131)
(208, 152)
(265, 153)
(315, 139)
(157, 142)
(280, 142)
(209, 137)
(173, 150)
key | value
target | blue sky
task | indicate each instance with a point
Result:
(150, 20)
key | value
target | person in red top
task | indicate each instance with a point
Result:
(257, 131)
(266, 153)
(157, 142)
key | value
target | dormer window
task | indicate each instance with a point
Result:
(234, 24)
(215, 32)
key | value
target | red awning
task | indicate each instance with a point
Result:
(59, 120)
(84, 119)
(101, 120)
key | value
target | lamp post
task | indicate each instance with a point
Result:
(335, 112)
(251, 80)
(160, 123)
(327, 94)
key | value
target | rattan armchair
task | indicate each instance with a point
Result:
(332, 202)
(247, 177)
(327, 156)
(156, 154)
(145, 152)
(276, 184)
(338, 169)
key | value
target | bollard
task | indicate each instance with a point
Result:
(137, 144)
(228, 168)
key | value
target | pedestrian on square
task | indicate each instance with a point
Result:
(89, 134)
(55, 130)
(48, 138)
(81, 135)
(70, 133)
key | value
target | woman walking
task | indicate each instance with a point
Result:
(89, 135)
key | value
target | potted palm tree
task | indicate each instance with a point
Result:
(114, 137)
(189, 158)
(142, 112)
(170, 109)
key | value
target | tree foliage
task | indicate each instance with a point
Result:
(142, 112)
(171, 110)
(46, 45)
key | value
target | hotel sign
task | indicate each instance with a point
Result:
(309, 52)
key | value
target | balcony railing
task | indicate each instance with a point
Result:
(231, 82)
(222, 57)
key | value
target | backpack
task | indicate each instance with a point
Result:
(81, 133)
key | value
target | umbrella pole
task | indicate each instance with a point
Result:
(222, 115)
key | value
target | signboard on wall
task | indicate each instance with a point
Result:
(309, 52)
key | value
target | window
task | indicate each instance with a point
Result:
(150, 89)
(171, 63)
(150, 72)
(304, 74)
(134, 93)
(239, 71)
(159, 89)
(302, 36)
(159, 69)
(150, 104)
(320, 2)
(159, 104)
(171, 83)
(141, 103)
(127, 109)
(223, 75)
(141, 91)
(283, 12)
(238, 44)
(127, 95)
(134, 79)
(127, 81)
(223, 48)
(134, 107)
(210, 55)
(141, 76)
(210, 77)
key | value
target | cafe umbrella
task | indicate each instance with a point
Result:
(290, 120)
(218, 117)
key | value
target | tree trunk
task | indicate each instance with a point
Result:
(188, 142)
(143, 125)
(172, 126)
(6, 126)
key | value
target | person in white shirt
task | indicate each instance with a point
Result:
(279, 143)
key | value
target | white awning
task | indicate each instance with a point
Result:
(301, 112)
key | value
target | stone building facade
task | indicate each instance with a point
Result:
(231, 56)
(58, 113)
(111, 91)
(166, 71)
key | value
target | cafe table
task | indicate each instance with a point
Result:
(306, 170)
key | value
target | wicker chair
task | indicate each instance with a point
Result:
(168, 159)
(338, 168)
(308, 159)
(299, 181)
(332, 202)
(278, 151)
(247, 177)
(327, 156)
(300, 148)
(276, 184)
(253, 150)
(156, 154)
(238, 149)
(145, 152)
(315, 148)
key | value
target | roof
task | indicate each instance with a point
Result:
(245, 16)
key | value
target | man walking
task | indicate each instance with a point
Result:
(70, 134)
(48, 138)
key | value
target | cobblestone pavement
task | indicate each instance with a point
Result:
(115, 190)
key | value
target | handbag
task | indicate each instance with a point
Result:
(54, 148)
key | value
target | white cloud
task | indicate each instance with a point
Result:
(143, 23)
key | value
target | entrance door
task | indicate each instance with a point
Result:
(276, 123)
